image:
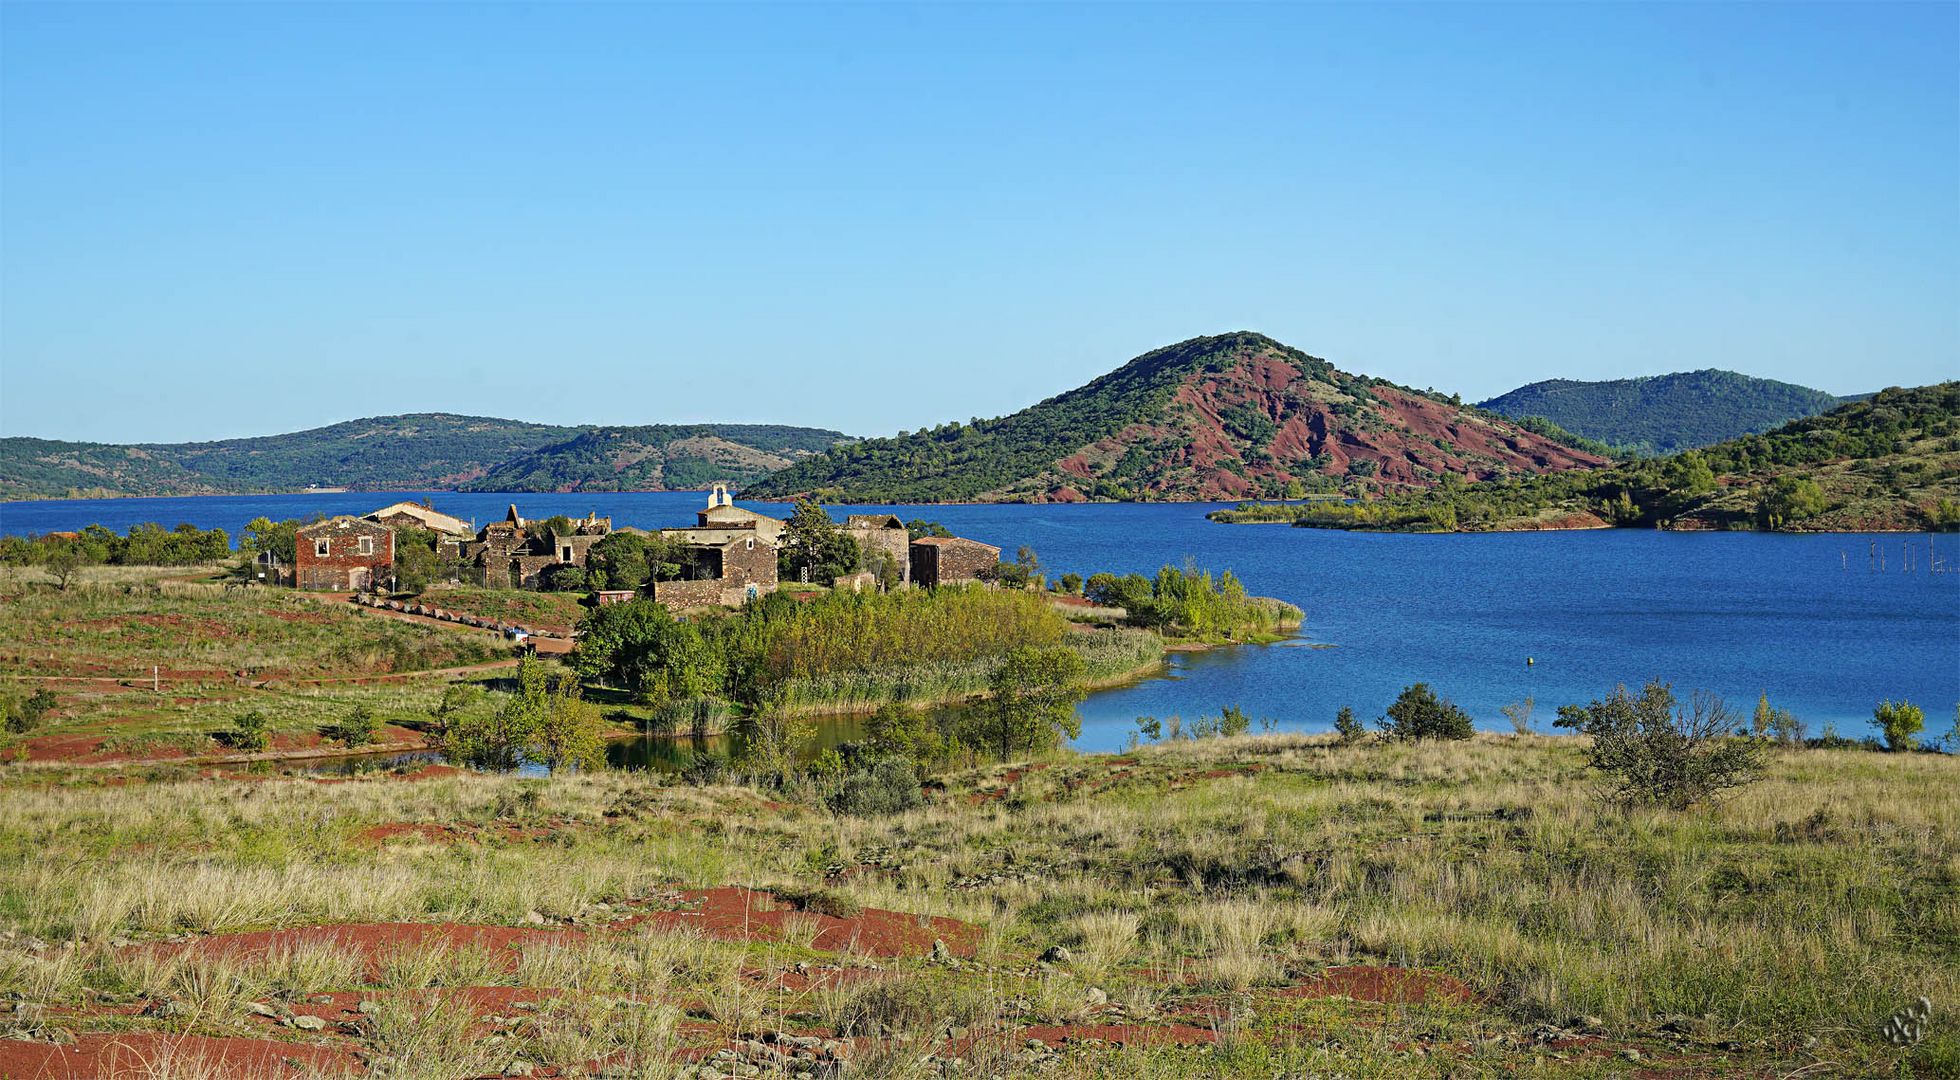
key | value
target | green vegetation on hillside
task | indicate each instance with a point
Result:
(1137, 433)
(409, 452)
(1663, 414)
(656, 457)
(1890, 462)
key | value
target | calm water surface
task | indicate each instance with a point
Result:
(1801, 617)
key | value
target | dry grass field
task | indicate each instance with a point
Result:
(1252, 907)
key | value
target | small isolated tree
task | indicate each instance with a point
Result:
(1419, 714)
(64, 564)
(1658, 753)
(358, 729)
(1348, 726)
(248, 732)
(1035, 691)
(1519, 714)
(1901, 724)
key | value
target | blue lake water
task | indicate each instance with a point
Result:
(1801, 617)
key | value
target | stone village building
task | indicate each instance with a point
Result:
(949, 560)
(515, 552)
(727, 557)
(342, 554)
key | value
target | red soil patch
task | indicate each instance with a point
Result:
(1126, 1034)
(733, 913)
(1387, 985)
(142, 1054)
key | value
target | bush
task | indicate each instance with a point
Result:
(358, 729)
(248, 732)
(1419, 714)
(24, 716)
(1348, 726)
(1660, 754)
(885, 785)
(1900, 723)
(896, 731)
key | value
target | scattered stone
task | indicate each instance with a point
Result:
(1056, 954)
(260, 1008)
(368, 1008)
(519, 1067)
(1630, 1054)
(1096, 996)
(534, 918)
(309, 1023)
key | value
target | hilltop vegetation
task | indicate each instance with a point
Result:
(1234, 415)
(417, 451)
(656, 457)
(1664, 414)
(1891, 462)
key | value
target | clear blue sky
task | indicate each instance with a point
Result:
(224, 220)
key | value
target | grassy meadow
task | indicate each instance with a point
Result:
(1258, 906)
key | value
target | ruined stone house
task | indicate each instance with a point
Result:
(950, 560)
(343, 554)
(516, 552)
(882, 538)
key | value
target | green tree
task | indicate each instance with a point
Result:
(1659, 753)
(359, 728)
(1034, 694)
(249, 733)
(497, 741)
(1789, 499)
(1419, 714)
(1348, 726)
(570, 733)
(1901, 724)
(64, 564)
(895, 730)
(815, 544)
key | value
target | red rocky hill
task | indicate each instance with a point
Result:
(1219, 418)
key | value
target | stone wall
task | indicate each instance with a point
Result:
(894, 544)
(950, 560)
(343, 565)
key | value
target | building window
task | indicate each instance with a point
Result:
(751, 544)
(367, 545)
(323, 548)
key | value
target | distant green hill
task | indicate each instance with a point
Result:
(410, 452)
(1229, 416)
(657, 457)
(1891, 462)
(1660, 414)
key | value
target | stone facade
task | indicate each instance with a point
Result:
(516, 552)
(882, 536)
(949, 560)
(343, 554)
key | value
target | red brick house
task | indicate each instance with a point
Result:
(949, 560)
(343, 554)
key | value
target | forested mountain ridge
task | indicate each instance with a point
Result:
(415, 451)
(659, 457)
(1662, 414)
(1890, 463)
(1229, 416)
